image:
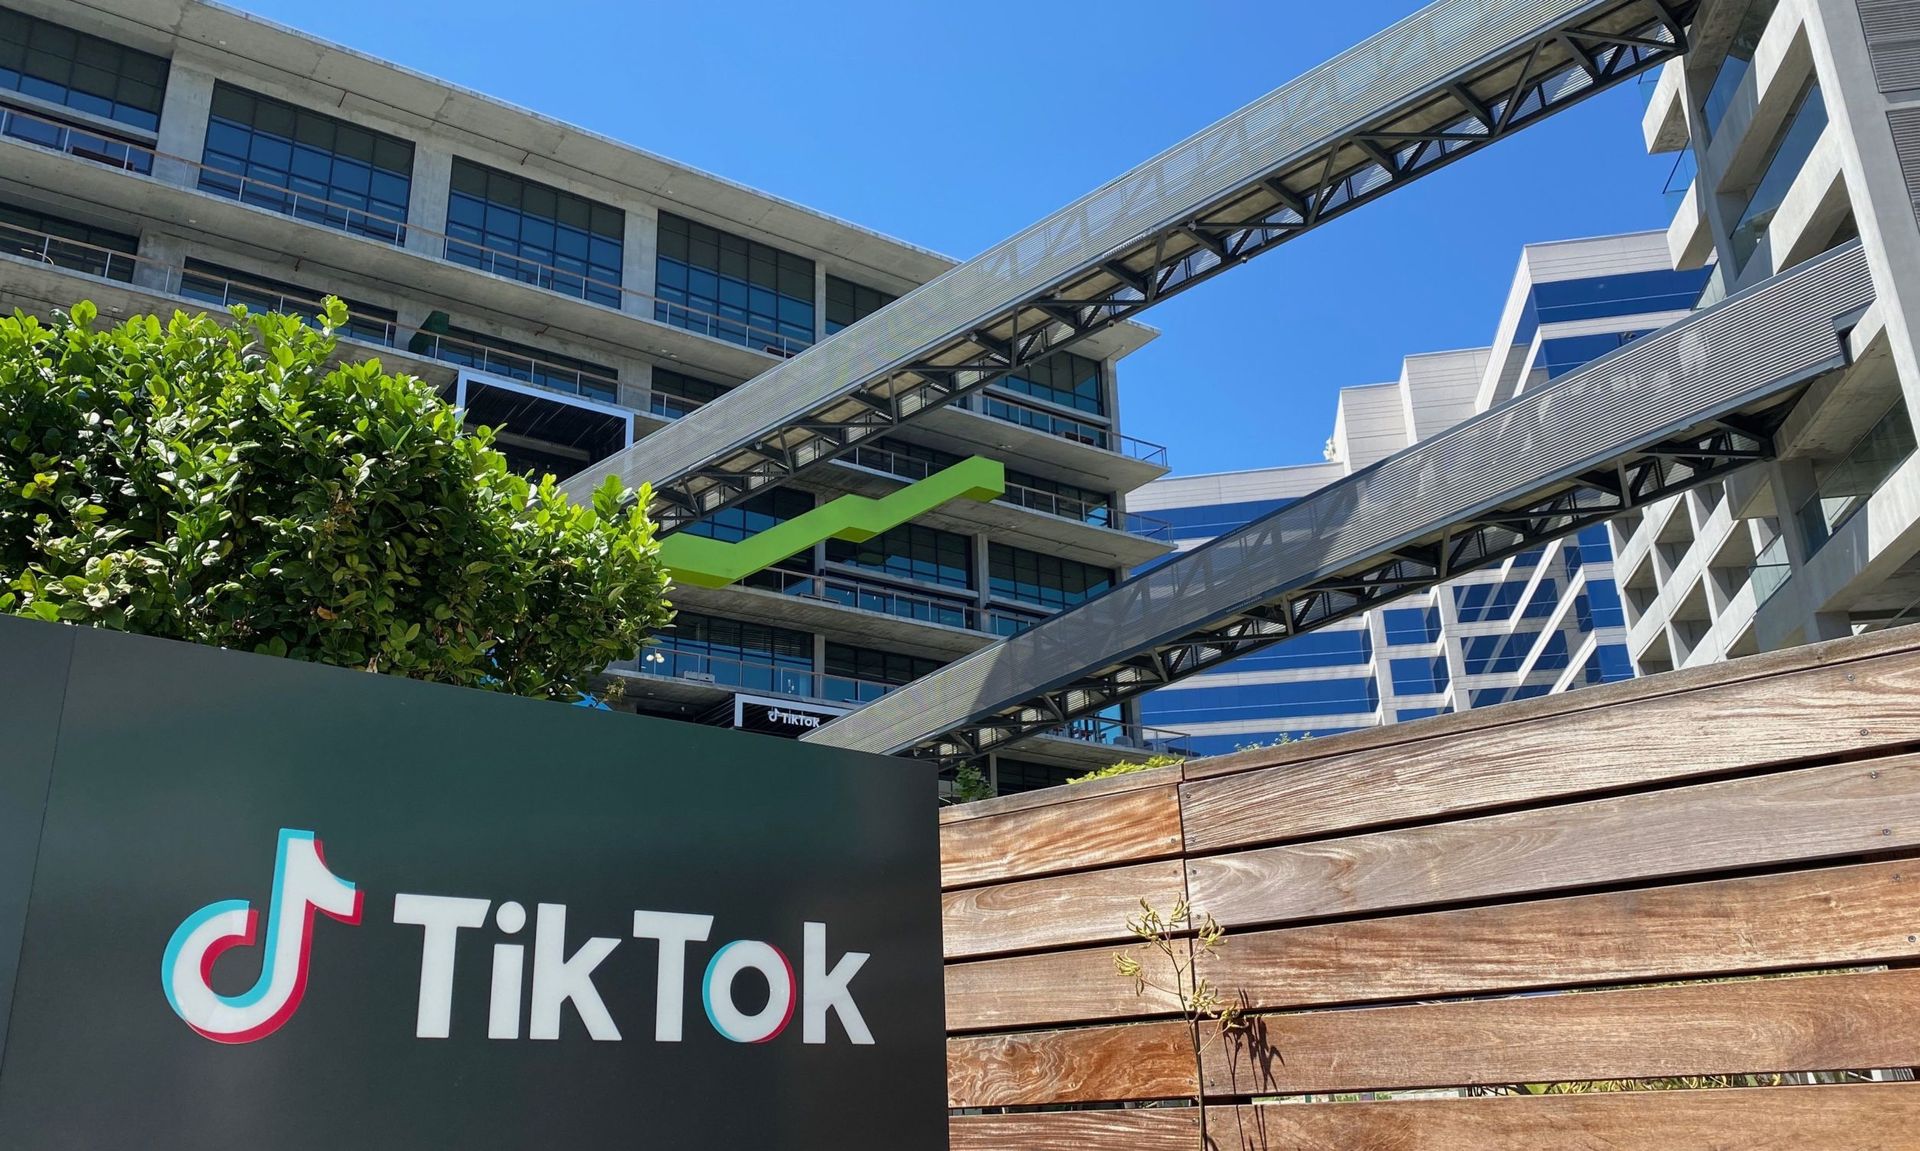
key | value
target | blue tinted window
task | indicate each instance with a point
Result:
(849, 303)
(1419, 676)
(313, 167)
(730, 652)
(1174, 707)
(1546, 597)
(1603, 599)
(911, 551)
(1553, 654)
(1209, 520)
(1476, 603)
(509, 226)
(1062, 378)
(1200, 745)
(1594, 536)
(1608, 663)
(733, 288)
(1412, 625)
(1328, 648)
(1048, 581)
(753, 516)
(1628, 294)
(55, 63)
(1568, 353)
(503, 357)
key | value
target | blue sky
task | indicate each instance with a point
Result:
(952, 125)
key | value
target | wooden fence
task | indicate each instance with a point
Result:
(1409, 909)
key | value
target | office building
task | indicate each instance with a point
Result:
(1546, 620)
(1796, 127)
(578, 293)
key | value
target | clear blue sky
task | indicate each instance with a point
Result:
(954, 124)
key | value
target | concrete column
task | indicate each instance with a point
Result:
(819, 302)
(160, 254)
(636, 384)
(639, 258)
(980, 571)
(183, 123)
(1883, 204)
(427, 199)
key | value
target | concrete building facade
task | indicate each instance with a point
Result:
(1543, 621)
(1797, 128)
(578, 292)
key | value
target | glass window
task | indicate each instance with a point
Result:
(50, 62)
(513, 227)
(1419, 676)
(1052, 423)
(1329, 647)
(733, 288)
(1842, 487)
(849, 303)
(1012, 776)
(1406, 713)
(754, 515)
(1303, 698)
(1062, 378)
(1412, 625)
(1602, 297)
(1048, 581)
(223, 287)
(1736, 65)
(500, 357)
(733, 653)
(675, 393)
(1060, 499)
(1479, 602)
(1797, 138)
(1608, 664)
(911, 551)
(66, 244)
(878, 666)
(307, 165)
(1209, 520)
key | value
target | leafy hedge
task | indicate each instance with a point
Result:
(231, 485)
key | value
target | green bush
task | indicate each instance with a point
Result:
(1126, 767)
(230, 485)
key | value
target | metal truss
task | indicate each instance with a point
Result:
(1670, 411)
(1596, 497)
(1433, 89)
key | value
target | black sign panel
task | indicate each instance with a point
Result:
(777, 717)
(279, 905)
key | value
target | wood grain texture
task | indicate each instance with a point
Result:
(1821, 713)
(1810, 1023)
(1048, 796)
(1063, 911)
(1100, 831)
(1836, 653)
(1052, 987)
(1826, 917)
(1792, 816)
(1076, 1065)
(1855, 1117)
(1158, 1129)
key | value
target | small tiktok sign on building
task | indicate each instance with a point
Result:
(248, 902)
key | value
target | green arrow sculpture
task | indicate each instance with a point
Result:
(707, 562)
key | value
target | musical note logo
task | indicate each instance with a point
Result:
(302, 884)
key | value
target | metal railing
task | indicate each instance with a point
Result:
(199, 286)
(73, 255)
(86, 143)
(1033, 499)
(886, 599)
(1117, 733)
(1065, 427)
(666, 662)
(670, 407)
(265, 194)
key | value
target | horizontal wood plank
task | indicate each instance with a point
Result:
(1807, 1023)
(1076, 1065)
(1854, 1117)
(1571, 706)
(1788, 817)
(1825, 917)
(1063, 911)
(1051, 987)
(1100, 831)
(1819, 713)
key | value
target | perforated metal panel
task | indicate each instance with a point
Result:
(1905, 123)
(1893, 41)
(1528, 57)
(1748, 349)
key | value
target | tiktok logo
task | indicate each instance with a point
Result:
(302, 884)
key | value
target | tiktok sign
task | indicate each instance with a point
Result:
(304, 885)
(264, 903)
